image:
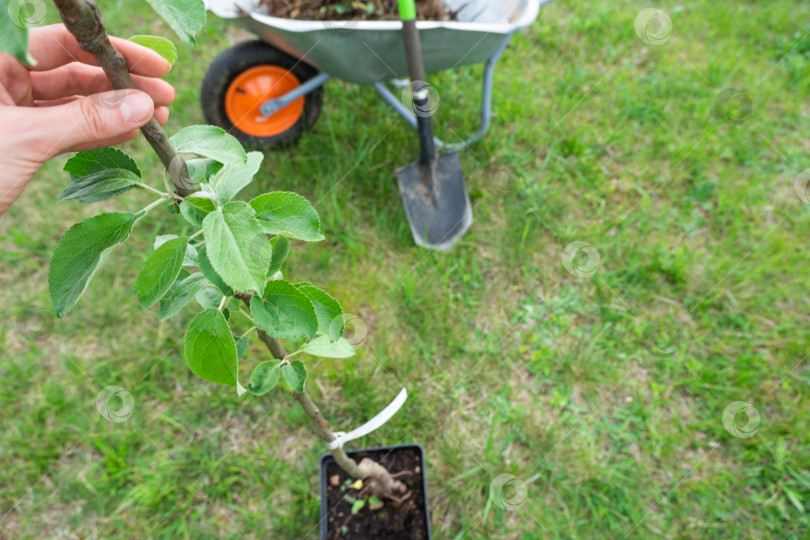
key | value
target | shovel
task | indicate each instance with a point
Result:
(432, 188)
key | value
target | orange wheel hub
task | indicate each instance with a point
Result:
(253, 87)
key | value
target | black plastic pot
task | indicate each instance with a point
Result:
(385, 455)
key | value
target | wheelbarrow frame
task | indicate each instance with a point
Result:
(275, 104)
(272, 105)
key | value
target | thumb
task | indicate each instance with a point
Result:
(90, 120)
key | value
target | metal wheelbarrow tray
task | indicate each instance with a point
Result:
(371, 52)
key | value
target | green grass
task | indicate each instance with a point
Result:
(513, 365)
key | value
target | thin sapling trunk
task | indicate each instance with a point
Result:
(84, 21)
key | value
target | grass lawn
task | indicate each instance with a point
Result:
(601, 389)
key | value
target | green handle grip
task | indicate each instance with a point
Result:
(407, 10)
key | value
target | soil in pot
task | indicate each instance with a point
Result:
(404, 520)
(368, 10)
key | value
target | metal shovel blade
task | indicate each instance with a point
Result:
(436, 202)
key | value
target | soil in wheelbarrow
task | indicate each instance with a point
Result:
(394, 520)
(346, 10)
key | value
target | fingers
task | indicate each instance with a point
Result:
(79, 79)
(53, 46)
(161, 115)
(83, 122)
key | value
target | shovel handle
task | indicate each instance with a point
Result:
(416, 70)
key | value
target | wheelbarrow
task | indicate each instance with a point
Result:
(268, 91)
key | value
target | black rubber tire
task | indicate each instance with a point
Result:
(233, 62)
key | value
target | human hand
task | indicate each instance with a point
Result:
(66, 104)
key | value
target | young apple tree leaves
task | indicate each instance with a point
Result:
(231, 236)
(210, 351)
(284, 312)
(325, 347)
(191, 256)
(290, 214)
(192, 214)
(209, 141)
(281, 248)
(186, 17)
(14, 34)
(241, 347)
(160, 45)
(202, 201)
(184, 289)
(209, 297)
(160, 271)
(295, 374)
(328, 310)
(100, 185)
(91, 179)
(234, 176)
(265, 377)
(79, 253)
(200, 170)
(93, 161)
(209, 272)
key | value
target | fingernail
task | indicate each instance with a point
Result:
(137, 108)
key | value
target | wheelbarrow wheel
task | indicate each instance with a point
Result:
(245, 76)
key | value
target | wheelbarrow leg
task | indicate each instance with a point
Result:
(486, 98)
(486, 102)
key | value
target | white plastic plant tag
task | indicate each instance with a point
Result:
(371, 425)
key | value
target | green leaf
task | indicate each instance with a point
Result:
(87, 169)
(14, 34)
(201, 170)
(210, 351)
(234, 176)
(186, 17)
(235, 246)
(289, 214)
(295, 374)
(241, 347)
(93, 161)
(190, 258)
(181, 293)
(326, 348)
(101, 185)
(209, 272)
(192, 214)
(201, 201)
(281, 248)
(328, 310)
(209, 141)
(160, 45)
(358, 505)
(209, 297)
(284, 312)
(80, 252)
(265, 377)
(160, 271)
